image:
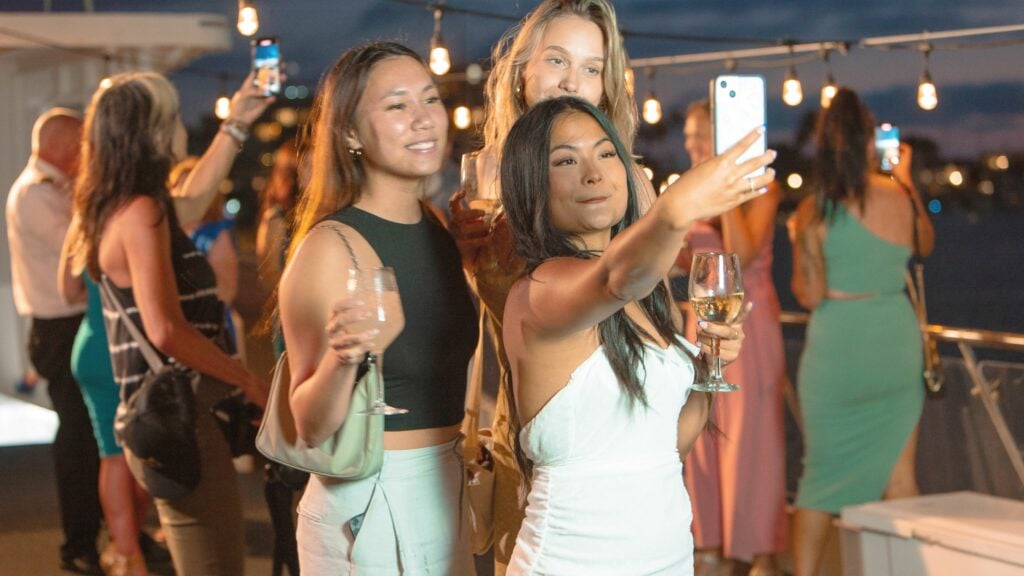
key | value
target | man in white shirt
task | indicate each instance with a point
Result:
(38, 215)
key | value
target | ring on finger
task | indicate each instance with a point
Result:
(750, 180)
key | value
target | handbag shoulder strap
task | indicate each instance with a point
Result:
(340, 234)
(148, 352)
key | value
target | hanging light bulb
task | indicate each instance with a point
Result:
(223, 107)
(461, 117)
(927, 95)
(792, 90)
(440, 60)
(652, 109)
(248, 19)
(828, 91)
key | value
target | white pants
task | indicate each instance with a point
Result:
(408, 520)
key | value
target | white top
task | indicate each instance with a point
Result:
(607, 495)
(38, 216)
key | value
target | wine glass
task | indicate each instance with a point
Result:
(378, 290)
(716, 295)
(478, 196)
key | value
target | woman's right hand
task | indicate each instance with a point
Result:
(349, 348)
(720, 184)
(469, 228)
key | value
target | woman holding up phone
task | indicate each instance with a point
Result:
(378, 133)
(601, 404)
(860, 373)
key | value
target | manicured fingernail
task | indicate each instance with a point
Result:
(703, 325)
(761, 129)
(775, 153)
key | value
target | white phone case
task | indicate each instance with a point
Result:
(737, 107)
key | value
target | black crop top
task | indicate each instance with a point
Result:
(425, 367)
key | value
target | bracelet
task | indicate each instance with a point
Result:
(236, 130)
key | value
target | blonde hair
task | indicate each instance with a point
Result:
(504, 90)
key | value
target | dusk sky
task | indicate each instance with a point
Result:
(980, 109)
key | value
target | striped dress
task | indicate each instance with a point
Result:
(197, 294)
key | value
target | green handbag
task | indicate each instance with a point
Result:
(354, 451)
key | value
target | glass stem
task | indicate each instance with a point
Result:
(716, 360)
(378, 368)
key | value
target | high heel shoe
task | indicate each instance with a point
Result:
(115, 564)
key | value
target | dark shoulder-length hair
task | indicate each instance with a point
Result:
(126, 152)
(842, 159)
(525, 192)
(336, 174)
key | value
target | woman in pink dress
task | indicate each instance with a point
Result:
(736, 477)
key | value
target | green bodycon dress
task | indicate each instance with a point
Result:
(860, 374)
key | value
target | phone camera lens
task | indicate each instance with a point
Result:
(723, 84)
(732, 93)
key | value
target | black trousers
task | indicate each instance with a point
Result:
(75, 455)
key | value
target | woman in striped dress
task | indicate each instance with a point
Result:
(131, 236)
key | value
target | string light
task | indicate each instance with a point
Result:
(792, 90)
(461, 117)
(248, 19)
(222, 109)
(927, 95)
(828, 89)
(440, 60)
(651, 106)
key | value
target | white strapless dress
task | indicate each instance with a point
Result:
(607, 496)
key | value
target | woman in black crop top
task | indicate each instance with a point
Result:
(379, 130)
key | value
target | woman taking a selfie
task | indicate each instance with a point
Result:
(601, 375)
(378, 132)
(860, 373)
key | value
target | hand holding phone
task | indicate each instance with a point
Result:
(266, 65)
(887, 146)
(738, 106)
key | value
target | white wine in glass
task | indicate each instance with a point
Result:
(378, 290)
(479, 195)
(716, 295)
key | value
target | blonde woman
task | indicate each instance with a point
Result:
(562, 48)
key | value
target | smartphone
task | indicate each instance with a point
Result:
(887, 146)
(738, 106)
(266, 62)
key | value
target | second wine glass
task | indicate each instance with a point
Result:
(480, 195)
(378, 290)
(716, 295)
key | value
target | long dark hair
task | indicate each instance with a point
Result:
(126, 152)
(844, 132)
(337, 175)
(525, 187)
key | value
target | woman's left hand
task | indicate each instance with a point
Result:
(730, 336)
(249, 103)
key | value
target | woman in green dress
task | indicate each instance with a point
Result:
(860, 383)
